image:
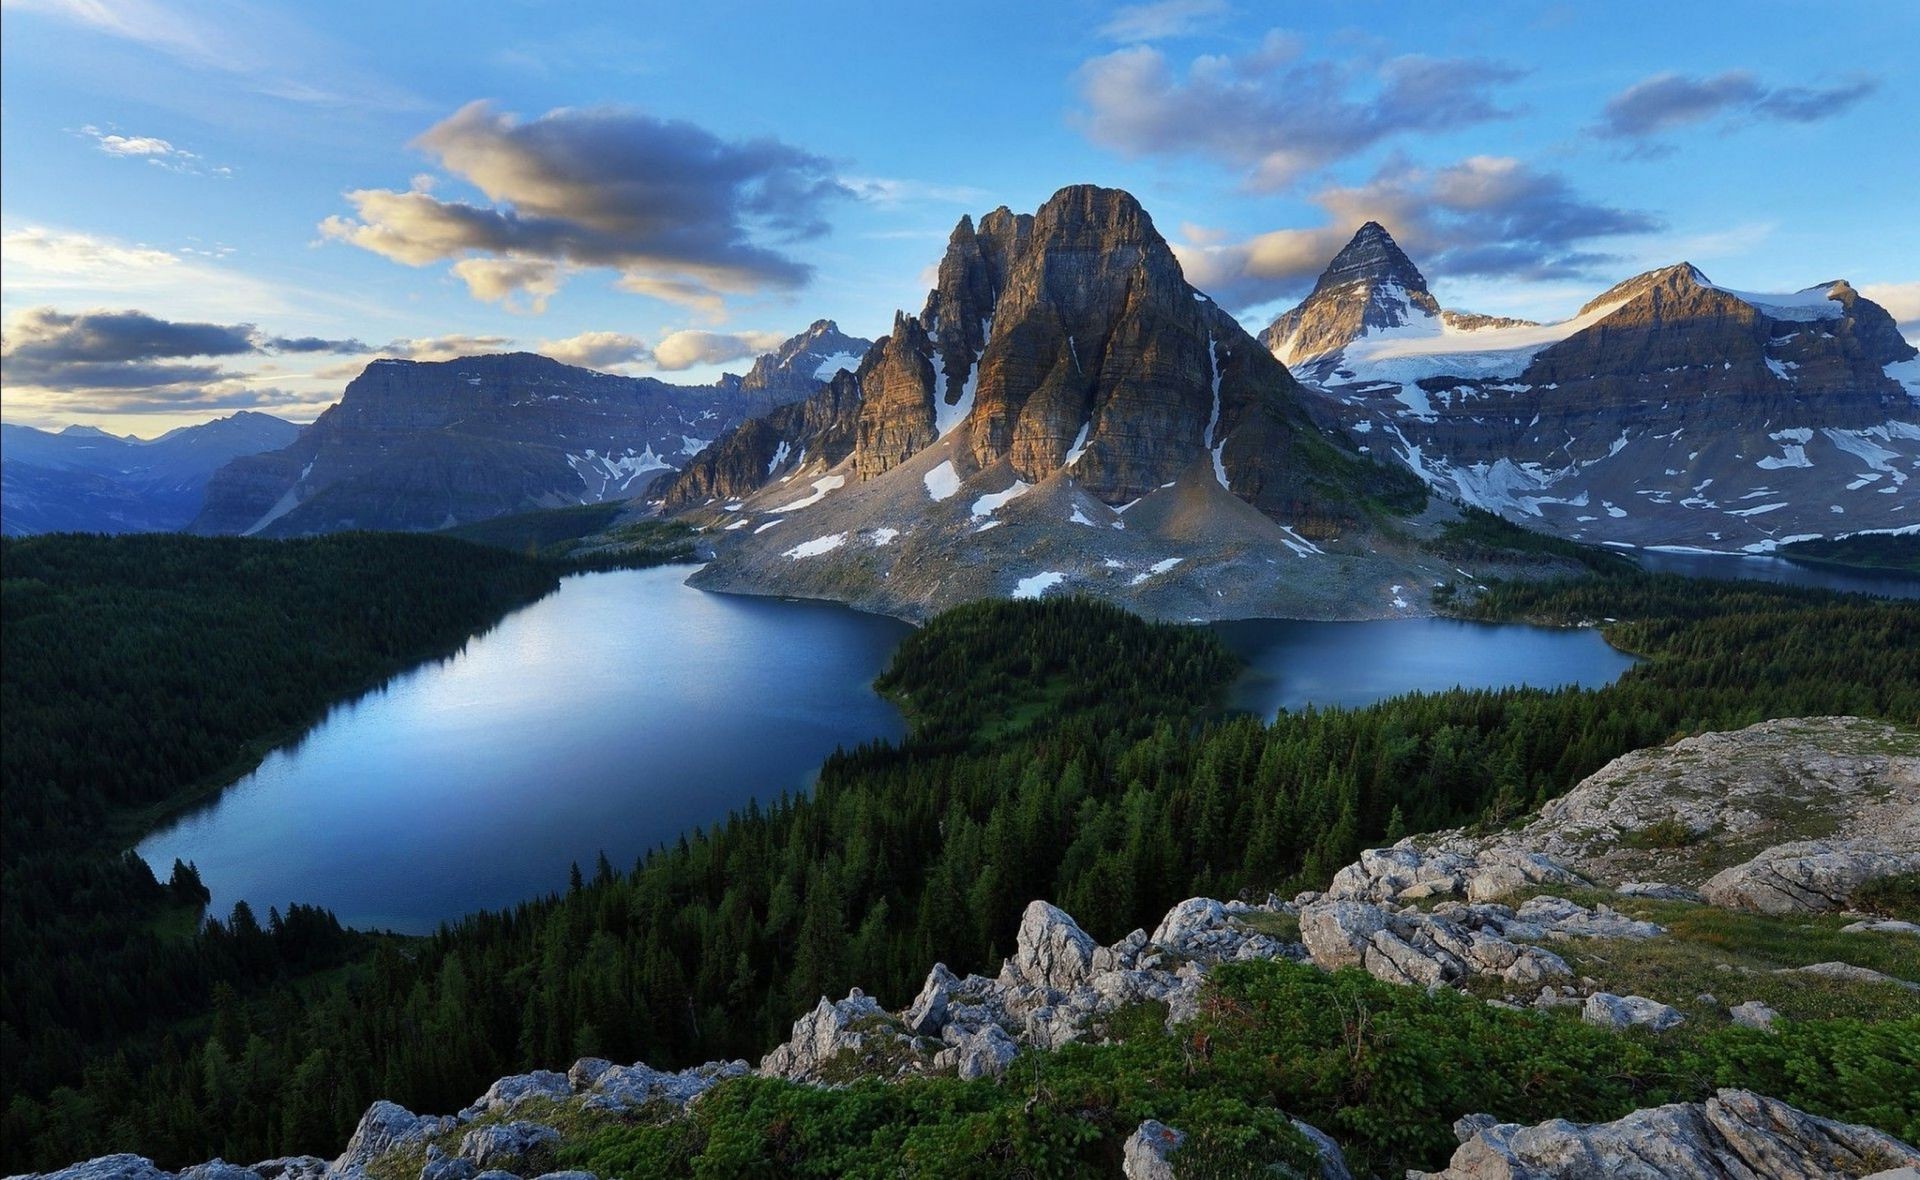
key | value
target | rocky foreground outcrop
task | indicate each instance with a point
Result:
(1735, 1135)
(1451, 910)
(1793, 815)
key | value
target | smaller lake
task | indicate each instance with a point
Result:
(1292, 664)
(1726, 567)
(613, 715)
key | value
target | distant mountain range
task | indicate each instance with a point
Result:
(1066, 411)
(415, 445)
(1669, 411)
(83, 479)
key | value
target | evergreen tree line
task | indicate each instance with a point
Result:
(1061, 749)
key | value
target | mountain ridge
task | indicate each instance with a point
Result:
(1668, 411)
(417, 445)
(84, 479)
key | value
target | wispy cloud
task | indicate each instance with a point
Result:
(1667, 102)
(1165, 19)
(679, 213)
(159, 153)
(265, 51)
(1273, 116)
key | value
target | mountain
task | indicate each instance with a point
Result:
(422, 445)
(1371, 288)
(1669, 411)
(1065, 412)
(83, 479)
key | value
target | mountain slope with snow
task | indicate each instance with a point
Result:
(1668, 412)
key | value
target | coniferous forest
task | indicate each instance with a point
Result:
(1060, 749)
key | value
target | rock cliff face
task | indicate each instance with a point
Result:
(1068, 341)
(1063, 360)
(416, 445)
(1668, 411)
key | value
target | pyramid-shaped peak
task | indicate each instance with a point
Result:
(1372, 256)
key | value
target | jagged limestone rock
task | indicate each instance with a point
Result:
(1735, 1135)
(849, 1031)
(385, 1126)
(124, 1166)
(622, 1088)
(1050, 949)
(509, 1092)
(508, 1146)
(928, 1012)
(441, 1166)
(983, 1051)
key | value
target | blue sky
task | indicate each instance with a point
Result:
(282, 191)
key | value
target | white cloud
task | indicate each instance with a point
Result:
(158, 152)
(685, 349)
(1902, 301)
(596, 350)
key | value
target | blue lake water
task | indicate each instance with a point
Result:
(627, 708)
(614, 714)
(1292, 664)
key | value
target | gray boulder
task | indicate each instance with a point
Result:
(1753, 1014)
(1204, 930)
(112, 1167)
(1881, 926)
(1338, 932)
(386, 1126)
(1333, 1161)
(509, 1092)
(1735, 1135)
(1849, 973)
(292, 1167)
(984, 1051)
(855, 1026)
(219, 1169)
(1623, 1012)
(928, 1012)
(586, 1071)
(1050, 950)
(1148, 1151)
(441, 1166)
(1805, 876)
(621, 1088)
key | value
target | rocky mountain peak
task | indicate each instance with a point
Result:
(806, 359)
(1370, 286)
(1372, 256)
